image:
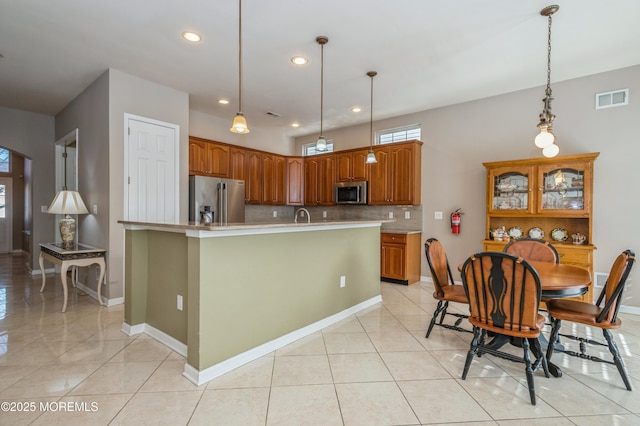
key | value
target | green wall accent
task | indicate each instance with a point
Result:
(243, 291)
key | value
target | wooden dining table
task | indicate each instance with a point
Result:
(557, 281)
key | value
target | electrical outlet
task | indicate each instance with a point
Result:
(275, 213)
(407, 215)
(43, 209)
(390, 215)
(437, 215)
(343, 281)
(94, 209)
(179, 302)
(324, 214)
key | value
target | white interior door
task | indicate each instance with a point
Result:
(152, 171)
(6, 222)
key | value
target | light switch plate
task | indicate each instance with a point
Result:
(390, 215)
(407, 215)
(437, 215)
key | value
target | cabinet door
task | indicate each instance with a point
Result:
(326, 177)
(359, 166)
(401, 184)
(238, 160)
(273, 172)
(511, 189)
(311, 172)
(218, 160)
(378, 189)
(343, 167)
(295, 181)
(565, 189)
(253, 181)
(197, 158)
(393, 261)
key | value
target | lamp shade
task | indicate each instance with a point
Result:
(239, 124)
(551, 150)
(67, 202)
(321, 144)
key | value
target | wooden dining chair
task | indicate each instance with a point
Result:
(603, 317)
(504, 293)
(533, 249)
(444, 288)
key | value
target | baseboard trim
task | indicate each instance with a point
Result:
(199, 377)
(160, 336)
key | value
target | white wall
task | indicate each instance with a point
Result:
(459, 138)
(216, 128)
(32, 135)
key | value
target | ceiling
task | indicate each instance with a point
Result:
(427, 53)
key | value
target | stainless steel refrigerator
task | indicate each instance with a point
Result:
(225, 197)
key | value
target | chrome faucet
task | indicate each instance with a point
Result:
(295, 219)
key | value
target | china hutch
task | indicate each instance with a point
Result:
(546, 198)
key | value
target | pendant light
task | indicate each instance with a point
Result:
(371, 157)
(239, 122)
(321, 143)
(546, 139)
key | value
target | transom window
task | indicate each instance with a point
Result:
(310, 148)
(4, 160)
(399, 134)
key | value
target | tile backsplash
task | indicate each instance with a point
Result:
(265, 214)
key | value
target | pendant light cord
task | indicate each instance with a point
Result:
(371, 74)
(240, 55)
(548, 90)
(321, 85)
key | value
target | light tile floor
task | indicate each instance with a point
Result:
(374, 368)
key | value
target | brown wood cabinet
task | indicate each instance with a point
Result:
(274, 169)
(295, 181)
(395, 178)
(319, 175)
(246, 164)
(548, 198)
(208, 158)
(352, 166)
(400, 257)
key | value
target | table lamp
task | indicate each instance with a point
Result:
(67, 203)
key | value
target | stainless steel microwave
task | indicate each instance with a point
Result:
(351, 192)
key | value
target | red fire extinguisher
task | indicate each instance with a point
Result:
(455, 221)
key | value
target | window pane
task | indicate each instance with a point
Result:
(3, 211)
(399, 134)
(310, 148)
(4, 160)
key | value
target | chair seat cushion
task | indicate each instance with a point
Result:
(452, 293)
(580, 312)
(526, 332)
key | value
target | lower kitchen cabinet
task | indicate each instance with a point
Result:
(400, 257)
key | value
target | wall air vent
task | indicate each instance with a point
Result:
(612, 99)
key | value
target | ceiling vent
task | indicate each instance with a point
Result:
(612, 99)
(273, 114)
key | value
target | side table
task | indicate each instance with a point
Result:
(71, 255)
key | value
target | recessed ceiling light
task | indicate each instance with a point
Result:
(223, 101)
(299, 60)
(356, 109)
(294, 124)
(189, 36)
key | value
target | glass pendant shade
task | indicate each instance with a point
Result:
(239, 124)
(371, 157)
(551, 150)
(544, 138)
(321, 144)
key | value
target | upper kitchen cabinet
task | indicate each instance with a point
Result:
(395, 178)
(208, 158)
(295, 181)
(246, 164)
(319, 175)
(274, 172)
(352, 165)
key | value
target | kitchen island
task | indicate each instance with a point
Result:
(225, 295)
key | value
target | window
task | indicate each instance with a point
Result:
(5, 156)
(310, 148)
(399, 134)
